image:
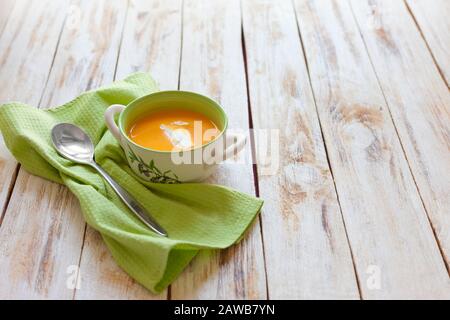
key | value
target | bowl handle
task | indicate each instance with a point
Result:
(109, 119)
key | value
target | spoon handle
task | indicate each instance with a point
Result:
(134, 206)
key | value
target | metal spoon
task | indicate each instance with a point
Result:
(74, 144)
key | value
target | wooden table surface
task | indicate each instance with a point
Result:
(358, 90)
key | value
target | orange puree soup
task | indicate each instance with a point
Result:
(168, 129)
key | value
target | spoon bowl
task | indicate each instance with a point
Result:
(72, 143)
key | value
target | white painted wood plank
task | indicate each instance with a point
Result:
(151, 43)
(213, 64)
(307, 253)
(433, 20)
(418, 100)
(102, 278)
(386, 222)
(26, 52)
(40, 240)
(42, 233)
(5, 13)
(87, 55)
(27, 49)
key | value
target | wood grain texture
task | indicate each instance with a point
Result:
(418, 100)
(6, 10)
(151, 42)
(213, 64)
(307, 253)
(27, 49)
(380, 101)
(434, 23)
(26, 52)
(40, 239)
(42, 233)
(87, 55)
(386, 223)
(102, 278)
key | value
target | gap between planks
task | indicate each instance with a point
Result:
(18, 166)
(169, 288)
(357, 277)
(250, 122)
(40, 99)
(272, 25)
(253, 150)
(7, 9)
(312, 19)
(211, 47)
(441, 73)
(126, 17)
(10, 191)
(438, 243)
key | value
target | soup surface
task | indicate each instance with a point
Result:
(173, 129)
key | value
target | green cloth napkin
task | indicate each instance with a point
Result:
(196, 216)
